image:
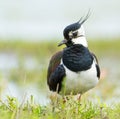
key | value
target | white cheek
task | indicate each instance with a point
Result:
(80, 40)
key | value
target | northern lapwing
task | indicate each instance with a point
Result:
(75, 69)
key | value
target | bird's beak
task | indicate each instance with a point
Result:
(62, 42)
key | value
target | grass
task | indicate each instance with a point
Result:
(41, 52)
(70, 110)
(46, 48)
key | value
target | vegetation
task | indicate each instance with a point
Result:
(63, 110)
(41, 53)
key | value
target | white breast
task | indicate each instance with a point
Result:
(80, 82)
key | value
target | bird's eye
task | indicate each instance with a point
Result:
(75, 34)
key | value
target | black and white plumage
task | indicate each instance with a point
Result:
(75, 69)
(77, 58)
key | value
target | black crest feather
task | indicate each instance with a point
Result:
(82, 20)
(75, 26)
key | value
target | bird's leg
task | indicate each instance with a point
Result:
(54, 98)
(78, 97)
(57, 93)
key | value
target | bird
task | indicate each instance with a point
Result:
(75, 69)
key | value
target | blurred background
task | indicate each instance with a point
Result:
(30, 32)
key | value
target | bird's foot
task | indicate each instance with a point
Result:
(78, 97)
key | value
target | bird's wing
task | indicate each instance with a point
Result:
(95, 57)
(56, 72)
(97, 65)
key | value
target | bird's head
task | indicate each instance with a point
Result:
(74, 33)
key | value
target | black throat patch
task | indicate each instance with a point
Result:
(77, 58)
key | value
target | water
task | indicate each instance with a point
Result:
(107, 90)
(9, 87)
(24, 93)
(12, 61)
